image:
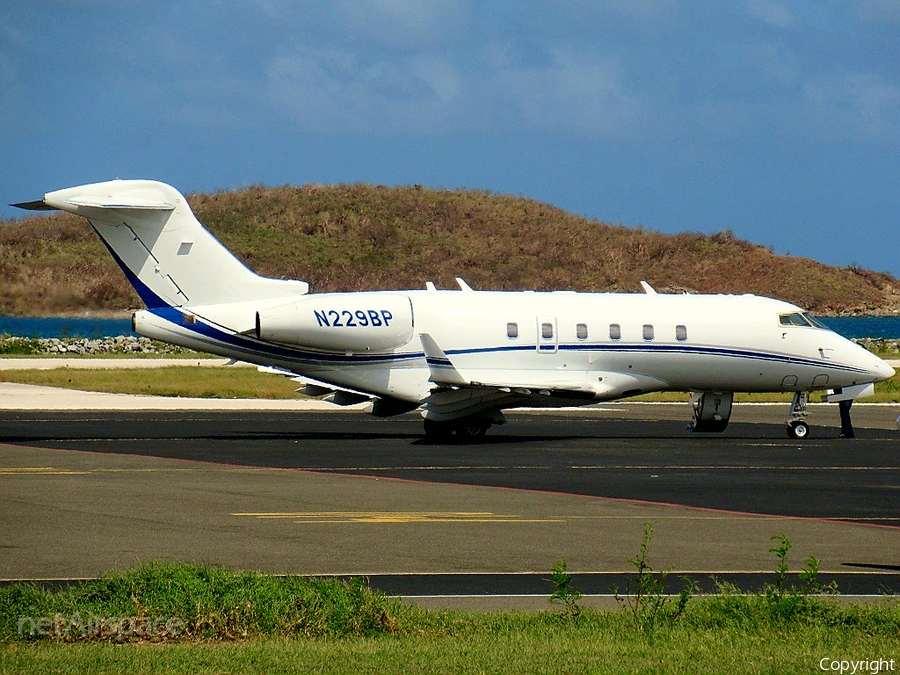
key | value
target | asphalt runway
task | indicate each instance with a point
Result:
(84, 492)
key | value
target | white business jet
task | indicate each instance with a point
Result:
(462, 356)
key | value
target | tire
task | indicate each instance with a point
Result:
(437, 430)
(798, 429)
(471, 428)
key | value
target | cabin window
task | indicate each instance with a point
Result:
(512, 330)
(547, 330)
(681, 333)
(648, 331)
(615, 331)
(581, 331)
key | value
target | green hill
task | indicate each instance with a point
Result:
(360, 237)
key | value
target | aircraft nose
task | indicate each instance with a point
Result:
(885, 370)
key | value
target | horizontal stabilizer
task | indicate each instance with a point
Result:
(137, 203)
(37, 205)
(99, 202)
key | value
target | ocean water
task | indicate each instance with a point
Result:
(852, 327)
(56, 327)
(865, 326)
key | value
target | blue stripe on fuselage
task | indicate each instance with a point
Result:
(250, 346)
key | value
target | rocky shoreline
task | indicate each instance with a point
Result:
(879, 345)
(11, 345)
(122, 344)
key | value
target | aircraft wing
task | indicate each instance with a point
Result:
(445, 374)
(312, 387)
(382, 406)
(460, 393)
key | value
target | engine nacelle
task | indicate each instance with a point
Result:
(340, 322)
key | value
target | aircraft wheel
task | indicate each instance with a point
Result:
(437, 430)
(798, 429)
(471, 428)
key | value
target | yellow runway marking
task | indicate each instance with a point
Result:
(39, 471)
(724, 516)
(411, 517)
(596, 467)
(382, 517)
(52, 471)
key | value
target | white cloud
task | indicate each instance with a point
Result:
(570, 92)
(577, 92)
(770, 12)
(403, 23)
(442, 78)
(858, 105)
(334, 90)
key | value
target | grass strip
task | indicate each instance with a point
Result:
(231, 382)
(539, 650)
(246, 622)
(186, 381)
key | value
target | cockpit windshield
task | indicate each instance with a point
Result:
(801, 319)
(814, 321)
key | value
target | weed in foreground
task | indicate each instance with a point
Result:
(787, 601)
(563, 591)
(645, 597)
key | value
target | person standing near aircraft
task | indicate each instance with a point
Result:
(846, 423)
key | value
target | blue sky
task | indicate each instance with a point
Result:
(777, 120)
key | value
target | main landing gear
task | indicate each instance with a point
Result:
(797, 426)
(467, 428)
(711, 411)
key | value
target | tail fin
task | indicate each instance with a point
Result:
(167, 255)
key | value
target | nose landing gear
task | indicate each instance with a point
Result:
(797, 427)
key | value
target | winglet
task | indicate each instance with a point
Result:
(442, 369)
